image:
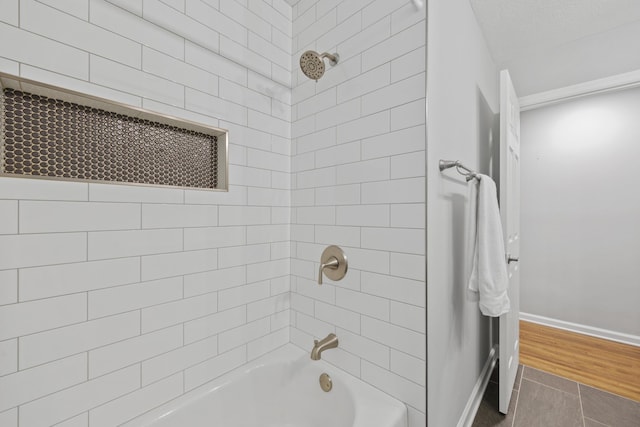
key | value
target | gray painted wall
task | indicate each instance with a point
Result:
(580, 210)
(462, 102)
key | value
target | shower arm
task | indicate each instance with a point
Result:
(333, 58)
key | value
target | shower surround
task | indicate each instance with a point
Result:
(117, 299)
(358, 165)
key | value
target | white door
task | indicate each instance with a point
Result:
(510, 215)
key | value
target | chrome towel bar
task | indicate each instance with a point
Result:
(469, 174)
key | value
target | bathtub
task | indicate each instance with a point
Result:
(280, 389)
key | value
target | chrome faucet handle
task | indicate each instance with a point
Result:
(333, 263)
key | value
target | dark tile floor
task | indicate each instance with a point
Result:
(541, 399)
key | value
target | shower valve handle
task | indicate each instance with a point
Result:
(332, 264)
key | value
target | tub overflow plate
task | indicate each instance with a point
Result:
(325, 382)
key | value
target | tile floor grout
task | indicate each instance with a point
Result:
(548, 386)
(581, 408)
(515, 406)
(567, 407)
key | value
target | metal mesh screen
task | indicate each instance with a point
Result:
(48, 137)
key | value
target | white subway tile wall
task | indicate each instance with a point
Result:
(358, 162)
(116, 299)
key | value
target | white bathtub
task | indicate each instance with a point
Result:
(280, 389)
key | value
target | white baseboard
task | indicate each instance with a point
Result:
(470, 410)
(582, 329)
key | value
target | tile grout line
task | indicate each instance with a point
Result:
(577, 382)
(580, 400)
(515, 409)
(551, 387)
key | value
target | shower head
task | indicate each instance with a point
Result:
(312, 63)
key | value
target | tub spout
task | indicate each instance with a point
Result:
(330, 341)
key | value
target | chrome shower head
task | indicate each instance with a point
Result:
(312, 63)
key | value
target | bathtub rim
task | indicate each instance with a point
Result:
(286, 353)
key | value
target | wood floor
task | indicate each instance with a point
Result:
(600, 363)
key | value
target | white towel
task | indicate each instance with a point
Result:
(488, 275)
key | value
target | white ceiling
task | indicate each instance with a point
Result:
(513, 26)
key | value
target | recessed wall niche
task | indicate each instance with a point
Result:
(47, 132)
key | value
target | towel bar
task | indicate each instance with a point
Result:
(469, 174)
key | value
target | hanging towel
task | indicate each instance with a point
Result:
(488, 275)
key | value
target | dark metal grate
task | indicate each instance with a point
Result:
(48, 137)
